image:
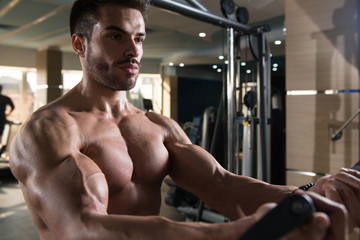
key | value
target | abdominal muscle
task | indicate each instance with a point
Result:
(135, 199)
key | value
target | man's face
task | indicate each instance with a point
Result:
(114, 52)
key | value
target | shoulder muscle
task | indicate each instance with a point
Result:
(46, 138)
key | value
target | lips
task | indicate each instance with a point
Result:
(130, 68)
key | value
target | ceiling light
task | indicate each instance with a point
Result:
(202, 34)
(274, 69)
(277, 42)
(171, 64)
(226, 62)
(221, 57)
(181, 65)
(214, 66)
(243, 64)
(301, 92)
(219, 70)
(248, 71)
(275, 65)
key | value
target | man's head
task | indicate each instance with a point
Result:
(109, 41)
(85, 13)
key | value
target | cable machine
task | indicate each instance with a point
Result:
(233, 23)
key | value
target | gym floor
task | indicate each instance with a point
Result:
(15, 221)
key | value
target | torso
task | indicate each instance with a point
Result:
(124, 160)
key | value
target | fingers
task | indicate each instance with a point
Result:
(337, 215)
(316, 229)
(344, 188)
(350, 177)
(344, 195)
(319, 225)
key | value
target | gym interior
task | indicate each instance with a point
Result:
(270, 88)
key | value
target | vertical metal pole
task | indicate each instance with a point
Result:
(230, 100)
(263, 167)
(358, 56)
(237, 96)
(268, 107)
(247, 160)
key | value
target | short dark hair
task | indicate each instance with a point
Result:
(85, 13)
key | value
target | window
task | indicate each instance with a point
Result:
(148, 86)
(71, 79)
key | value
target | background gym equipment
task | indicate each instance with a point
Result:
(263, 80)
(229, 114)
(336, 136)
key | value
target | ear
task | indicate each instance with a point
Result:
(78, 44)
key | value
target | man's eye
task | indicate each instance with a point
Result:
(115, 36)
(139, 40)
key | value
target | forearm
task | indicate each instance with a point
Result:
(236, 192)
(195, 170)
(117, 227)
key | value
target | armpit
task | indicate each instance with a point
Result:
(172, 131)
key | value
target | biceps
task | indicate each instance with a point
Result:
(193, 168)
(54, 189)
(59, 195)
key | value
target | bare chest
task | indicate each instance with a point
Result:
(131, 151)
(133, 159)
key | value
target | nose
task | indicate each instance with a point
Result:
(133, 49)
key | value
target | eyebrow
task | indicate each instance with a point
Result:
(119, 29)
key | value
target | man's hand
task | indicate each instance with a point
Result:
(336, 213)
(344, 188)
(313, 230)
(330, 222)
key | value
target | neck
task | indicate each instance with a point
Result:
(103, 99)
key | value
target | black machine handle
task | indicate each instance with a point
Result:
(291, 212)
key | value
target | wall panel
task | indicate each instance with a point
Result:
(321, 54)
(321, 45)
(311, 121)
